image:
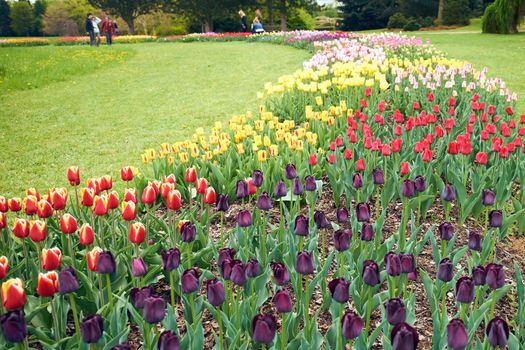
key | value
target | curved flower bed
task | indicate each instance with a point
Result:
(368, 202)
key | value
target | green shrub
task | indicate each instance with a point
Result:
(456, 12)
(427, 22)
(300, 19)
(488, 22)
(412, 25)
(397, 20)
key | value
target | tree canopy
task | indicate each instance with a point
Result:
(127, 9)
(503, 16)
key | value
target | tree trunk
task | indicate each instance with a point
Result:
(131, 25)
(208, 24)
(270, 15)
(282, 9)
(441, 8)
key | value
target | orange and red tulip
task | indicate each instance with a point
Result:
(174, 200)
(106, 183)
(149, 195)
(129, 211)
(87, 196)
(130, 195)
(37, 230)
(137, 233)
(13, 294)
(210, 196)
(156, 186)
(51, 258)
(92, 258)
(86, 234)
(100, 205)
(191, 175)
(3, 204)
(44, 209)
(4, 267)
(113, 200)
(126, 173)
(94, 184)
(3, 221)
(31, 205)
(200, 185)
(58, 198)
(47, 284)
(73, 175)
(166, 188)
(21, 228)
(14, 204)
(68, 224)
(171, 179)
(33, 192)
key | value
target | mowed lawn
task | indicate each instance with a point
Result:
(100, 111)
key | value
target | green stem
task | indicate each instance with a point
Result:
(110, 293)
(306, 306)
(368, 311)
(283, 332)
(443, 248)
(75, 314)
(172, 289)
(443, 306)
(55, 320)
(193, 314)
(493, 304)
(147, 331)
(221, 331)
(71, 252)
(403, 228)
(340, 333)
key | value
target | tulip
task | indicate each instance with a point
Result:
(4, 267)
(13, 326)
(498, 332)
(392, 264)
(129, 211)
(370, 273)
(37, 230)
(190, 176)
(215, 292)
(253, 268)
(210, 196)
(395, 311)
(465, 290)
(496, 218)
(280, 189)
(339, 288)
(154, 309)
(51, 258)
(367, 232)
(123, 346)
(14, 204)
(457, 335)
(168, 340)
(130, 195)
(238, 273)
(280, 273)
(31, 205)
(290, 172)
(126, 173)
(137, 233)
(420, 183)
(282, 301)
(226, 268)
(304, 263)
(201, 185)
(309, 183)
(58, 198)
(449, 193)
(404, 170)
(495, 276)
(320, 220)
(47, 284)
(225, 253)
(342, 239)
(487, 197)
(92, 328)
(257, 178)
(475, 241)
(264, 201)
(404, 337)
(139, 295)
(409, 188)
(190, 280)
(188, 231)
(138, 267)
(357, 181)
(446, 231)
(67, 280)
(87, 196)
(363, 212)
(244, 218)
(342, 215)
(13, 294)
(113, 200)
(445, 270)
(100, 205)
(297, 187)
(264, 328)
(68, 224)
(408, 263)
(106, 182)
(3, 221)
(149, 195)
(479, 275)
(223, 204)
(21, 228)
(301, 227)
(352, 325)
(378, 176)
(170, 259)
(4, 207)
(242, 190)
(106, 263)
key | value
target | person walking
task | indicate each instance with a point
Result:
(244, 21)
(89, 29)
(108, 28)
(96, 30)
(257, 27)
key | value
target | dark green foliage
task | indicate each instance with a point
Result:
(426, 22)
(22, 18)
(397, 20)
(503, 16)
(418, 8)
(5, 20)
(412, 25)
(362, 14)
(39, 9)
(456, 12)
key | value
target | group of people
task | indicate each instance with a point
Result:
(256, 26)
(108, 26)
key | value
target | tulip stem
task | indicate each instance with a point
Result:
(110, 293)
(147, 332)
(193, 314)
(283, 332)
(368, 311)
(71, 252)
(493, 304)
(281, 228)
(443, 305)
(351, 344)
(75, 314)
(55, 320)
(340, 333)
(443, 248)
(221, 332)
(306, 306)
(172, 290)
(403, 228)
(263, 239)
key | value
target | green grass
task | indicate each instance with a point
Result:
(103, 118)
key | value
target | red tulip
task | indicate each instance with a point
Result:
(4, 267)
(94, 184)
(129, 211)
(191, 175)
(174, 201)
(166, 188)
(252, 189)
(130, 195)
(210, 197)
(453, 147)
(92, 258)
(106, 183)
(404, 168)
(396, 145)
(13, 294)
(37, 230)
(482, 158)
(360, 165)
(58, 198)
(149, 195)
(3, 204)
(47, 284)
(348, 154)
(14, 204)
(126, 173)
(100, 205)
(44, 209)
(86, 234)
(170, 179)
(51, 258)
(137, 233)
(87, 196)
(331, 158)
(200, 185)
(21, 228)
(73, 175)
(33, 192)
(31, 205)
(3, 221)
(113, 200)
(509, 110)
(156, 186)
(68, 224)
(427, 155)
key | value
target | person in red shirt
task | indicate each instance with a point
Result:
(108, 28)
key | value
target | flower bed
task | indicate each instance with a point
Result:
(370, 201)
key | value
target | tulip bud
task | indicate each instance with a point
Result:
(496, 218)
(67, 280)
(91, 329)
(100, 205)
(244, 218)
(87, 196)
(139, 295)
(495, 276)
(13, 294)
(257, 178)
(465, 290)
(487, 197)
(309, 183)
(409, 188)
(188, 231)
(449, 193)
(264, 328)
(392, 264)
(137, 233)
(342, 215)
(201, 185)
(357, 181)
(13, 326)
(225, 253)
(31, 205)
(339, 288)
(170, 259)
(378, 176)
(297, 187)
(264, 202)
(215, 292)
(113, 200)
(58, 198)
(51, 258)
(301, 227)
(154, 309)
(457, 335)
(479, 275)
(498, 333)
(4, 207)
(420, 183)
(280, 189)
(210, 196)
(445, 272)
(320, 220)
(290, 172)
(4, 267)
(475, 241)
(168, 340)
(223, 204)
(138, 267)
(304, 263)
(342, 239)
(106, 182)
(446, 231)
(370, 273)
(404, 337)
(280, 273)
(92, 258)
(242, 190)
(47, 284)
(106, 262)
(367, 232)
(3, 221)
(282, 301)
(130, 195)
(21, 228)
(238, 273)
(68, 224)
(190, 280)
(395, 311)
(352, 325)
(37, 230)
(174, 200)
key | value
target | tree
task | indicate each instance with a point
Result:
(456, 12)
(39, 9)
(364, 14)
(286, 5)
(57, 20)
(77, 11)
(5, 20)
(127, 9)
(503, 16)
(22, 18)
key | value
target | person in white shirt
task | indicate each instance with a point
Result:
(96, 29)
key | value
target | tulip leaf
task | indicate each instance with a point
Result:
(115, 340)
(321, 274)
(513, 343)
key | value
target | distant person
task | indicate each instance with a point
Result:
(115, 26)
(244, 21)
(96, 30)
(258, 14)
(89, 29)
(257, 26)
(108, 28)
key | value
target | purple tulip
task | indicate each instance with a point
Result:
(290, 172)
(487, 197)
(168, 340)
(257, 178)
(352, 325)
(123, 346)
(342, 239)
(138, 267)
(409, 188)
(363, 212)
(301, 227)
(404, 337)
(280, 273)
(190, 280)
(408, 262)
(244, 218)
(282, 301)
(395, 311)
(465, 290)
(342, 215)
(475, 241)
(139, 295)
(498, 332)
(106, 262)
(297, 186)
(280, 189)
(170, 259)
(339, 288)
(495, 276)
(304, 263)
(367, 232)
(225, 253)
(238, 274)
(13, 326)
(264, 328)
(223, 203)
(445, 270)
(413, 276)
(420, 183)
(479, 275)
(449, 193)
(226, 268)
(67, 281)
(446, 231)
(264, 202)
(154, 309)
(357, 181)
(215, 292)
(496, 218)
(253, 268)
(378, 176)
(309, 183)
(188, 232)
(91, 329)
(320, 220)
(241, 189)
(392, 264)
(370, 273)
(457, 335)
